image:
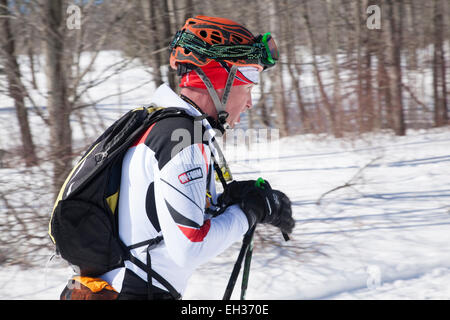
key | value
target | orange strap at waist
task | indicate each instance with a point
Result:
(94, 284)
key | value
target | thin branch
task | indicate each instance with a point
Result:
(351, 182)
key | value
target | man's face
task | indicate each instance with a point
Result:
(239, 100)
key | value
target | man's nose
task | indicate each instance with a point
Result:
(249, 102)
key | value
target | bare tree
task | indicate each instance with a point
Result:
(439, 67)
(58, 104)
(332, 26)
(16, 87)
(280, 101)
(394, 40)
(330, 110)
(168, 28)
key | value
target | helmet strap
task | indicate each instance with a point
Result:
(229, 84)
(222, 114)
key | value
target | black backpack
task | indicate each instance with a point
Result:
(83, 224)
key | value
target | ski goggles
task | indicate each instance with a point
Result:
(263, 52)
(271, 50)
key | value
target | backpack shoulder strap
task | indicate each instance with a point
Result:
(151, 243)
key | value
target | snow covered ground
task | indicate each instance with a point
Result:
(384, 237)
(382, 233)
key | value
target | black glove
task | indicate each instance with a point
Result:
(272, 207)
(260, 204)
(235, 192)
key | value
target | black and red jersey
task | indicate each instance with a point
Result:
(165, 178)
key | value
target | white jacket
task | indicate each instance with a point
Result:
(165, 176)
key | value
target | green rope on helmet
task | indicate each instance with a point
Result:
(218, 51)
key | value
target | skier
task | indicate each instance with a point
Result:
(168, 176)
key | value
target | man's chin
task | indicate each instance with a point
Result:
(233, 124)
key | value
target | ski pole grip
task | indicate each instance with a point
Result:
(260, 182)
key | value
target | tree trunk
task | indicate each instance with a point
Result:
(383, 93)
(394, 33)
(294, 71)
(166, 35)
(174, 8)
(15, 86)
(265, 116)
(332, 8)
(328, 107)
(280, 97)
(281, 104)
(368, 92)
(439, 77)
(154, 40)
(411, 27)
(58, 105)
(359, 74)
(189, 11)
(262, 104)
(31, 56)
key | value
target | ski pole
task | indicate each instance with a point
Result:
(237, 266)
(246, 272)
(248, 257)
(246, 251)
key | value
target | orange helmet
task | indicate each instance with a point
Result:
(204, 39)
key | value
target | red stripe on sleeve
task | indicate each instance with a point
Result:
(205, 157)
(194, 234)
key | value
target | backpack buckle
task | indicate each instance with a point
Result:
(99, 157)
(152, 244)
